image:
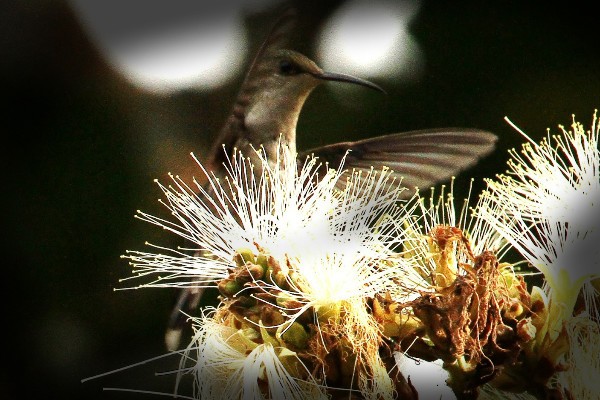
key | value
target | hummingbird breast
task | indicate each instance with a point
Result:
(270, 123)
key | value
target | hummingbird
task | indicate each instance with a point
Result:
(265, 114)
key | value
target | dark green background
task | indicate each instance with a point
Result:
(81, 148)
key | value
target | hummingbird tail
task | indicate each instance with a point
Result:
(187, 302)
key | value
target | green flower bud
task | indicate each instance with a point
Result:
(242, 256)
(296, 336)
(229, 287)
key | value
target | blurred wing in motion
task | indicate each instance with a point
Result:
(422, 158)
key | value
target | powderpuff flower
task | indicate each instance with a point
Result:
(335, 248)
(281, 208)
(228, 365)
(289, 212)
(547, 206)
(580, 379)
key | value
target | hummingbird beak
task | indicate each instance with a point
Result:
(332, 76)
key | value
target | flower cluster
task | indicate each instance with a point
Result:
(322, 288)
(547, 206)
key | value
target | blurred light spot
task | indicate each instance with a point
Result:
(193, 57)
(371, 39)
(164, 46)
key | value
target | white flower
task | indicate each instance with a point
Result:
(228, 365)
(581, 379)
(333, 237)
(548, 207)
(338, 248)
(346, 260)
(282, 209)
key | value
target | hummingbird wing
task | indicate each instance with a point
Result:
(422, 158)
(277, 38)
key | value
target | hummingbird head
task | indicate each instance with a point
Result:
(273, 95)
(275, 91)
(292, 69)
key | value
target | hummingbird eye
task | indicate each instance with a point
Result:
(286, 67)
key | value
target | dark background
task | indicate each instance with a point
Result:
(79, 161)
